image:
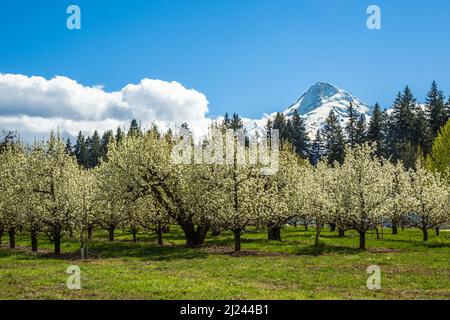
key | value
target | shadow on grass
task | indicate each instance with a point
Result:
(322, 248)
(146, 251)
(117, 249)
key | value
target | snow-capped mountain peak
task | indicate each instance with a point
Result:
(315, 105)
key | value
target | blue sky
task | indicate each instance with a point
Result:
(248, 56)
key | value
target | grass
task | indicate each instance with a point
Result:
(292, 269)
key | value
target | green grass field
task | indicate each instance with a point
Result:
(292, 269)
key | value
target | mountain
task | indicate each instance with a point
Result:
(315, 105)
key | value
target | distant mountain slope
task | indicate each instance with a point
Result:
(315, 105)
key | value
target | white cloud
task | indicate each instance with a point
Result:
(34, 105)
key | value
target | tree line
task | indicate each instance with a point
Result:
(137, 187)
(404, 132)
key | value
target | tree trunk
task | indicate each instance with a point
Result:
(134, 232)
(341, 232)
(34, 241)
(195, 237)
(425, 234)
(1, 236)
(159, 233)
(394, 229)
(90, 228)
(111, 232)
(237, 240)
(295, 224)
(378, 233)
(274, 233)
(57, 238)
(317, 238)
(306, 226)
(362, 240)
(437, 231)
(215, 232)
(12, 238)
(332, 227)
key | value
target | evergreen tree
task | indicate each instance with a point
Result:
(135, 129)
(422, 136)
(94, 149)
(81, 151)
(403, 122)
(435, 106)
(300, 138)
(236, 122)
(334, 141)
(361, 130)
(226, 122)
(375, 130)
(68, 148)
(350, 128)
(107, 138)
(120, 135)
(317, 149)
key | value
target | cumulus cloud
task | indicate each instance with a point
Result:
(34, 105)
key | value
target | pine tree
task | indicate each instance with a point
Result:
(94, 149)
(403, 122)
(107, 138)
(120, 135)
(81, 151)
(435, 106)
(423, 136)
(361, 130)
(375, 130)
(317, 149)
(68, 148)
(226, 122)
(334, 141)
(236, 122)
(350, 128)
(135, 129)
(300, 139)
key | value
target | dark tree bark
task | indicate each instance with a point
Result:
(1, 236)
(111, 232)
(425, 234)
(378, 233)
(134, 232)
(362, 240)
(215, 232)
(57, 238)
(237, 240)
(332, 227)
(274, 233)
(437, 231)
(341, 232)
(34, 240)
(394, 229)
(306, 226)
(195, 237)
(317, 237)
(12, 238)
(90, 228)
(159, 233)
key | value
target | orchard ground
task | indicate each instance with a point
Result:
(291, 269)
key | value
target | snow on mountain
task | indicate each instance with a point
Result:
(314, 107)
